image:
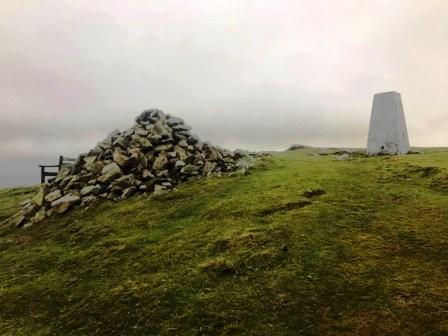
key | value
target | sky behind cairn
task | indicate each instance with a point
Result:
(258, 75)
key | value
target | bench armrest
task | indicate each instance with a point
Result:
(49, 166)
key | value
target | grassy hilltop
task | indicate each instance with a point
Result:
(304, 245)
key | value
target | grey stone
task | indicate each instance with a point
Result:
(149, 115)
(40, 216)
(28, 225)
(128, 192)
(30, 209)
(181, 128)
(107, 142)
(142, 142)
(194, 139)
(53, 196)
(110, 173)
(183, 143)
(95, 167)
(190, 169)
(142, 161)
(124, 181)
(227, 153)
(160, 162)
(179, 164)
(141, 131)
(90, 159)
(173, 121)
(64, 203)
(159, 131)
(91, 190)
(63, 172)
(163, 173)
(147, 174)
(164, 147)
(88, 199)
(122, 142)
(180, 153)
(239, 153)
(185, 133)
(209, 166)
(172, 155)
(160, 190)
(197, 146)
(125, 161)
(72, 182)
(116, 190)
(39, 198)
(246, 162)
(212, 154)
(158, 187)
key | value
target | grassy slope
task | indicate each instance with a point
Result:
(243, 255)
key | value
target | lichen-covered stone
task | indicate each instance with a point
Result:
(91, 190)
(110, 173)
(39, 216)
(190, 170)
(53, 196)
(209, 166)
(124, 161)
(64, 203)
(128, 192)
(160, 162)
(124, 181)
(39, 198)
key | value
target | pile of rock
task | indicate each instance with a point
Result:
(151, 157)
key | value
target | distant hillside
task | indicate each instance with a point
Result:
(303, 245)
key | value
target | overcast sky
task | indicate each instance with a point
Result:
(249, 74)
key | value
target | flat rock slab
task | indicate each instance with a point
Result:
(64, 203)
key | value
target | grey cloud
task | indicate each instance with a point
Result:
(250, 74)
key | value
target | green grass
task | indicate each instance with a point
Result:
(269, 253)
(11, 198)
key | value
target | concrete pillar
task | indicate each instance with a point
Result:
(388, 133)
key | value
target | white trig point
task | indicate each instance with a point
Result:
(388, 133)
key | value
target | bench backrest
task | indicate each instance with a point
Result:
(65, 161)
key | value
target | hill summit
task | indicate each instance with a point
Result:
(153, 156)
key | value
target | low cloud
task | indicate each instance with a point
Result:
(249, 74)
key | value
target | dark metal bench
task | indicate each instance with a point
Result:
(63, 161)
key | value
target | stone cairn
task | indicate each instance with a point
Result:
(150, 158)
